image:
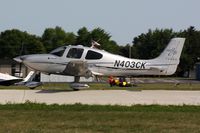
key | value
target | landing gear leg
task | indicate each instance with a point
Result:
(76, 85)
(76, 79)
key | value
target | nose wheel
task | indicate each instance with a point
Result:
(76, 85)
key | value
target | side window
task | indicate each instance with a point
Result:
(92, 55)
(75, 53)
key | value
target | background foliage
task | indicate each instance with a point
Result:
(145, 46)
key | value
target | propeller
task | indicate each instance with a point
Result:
(19, 59)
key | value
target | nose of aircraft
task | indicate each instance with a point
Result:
(31, 61)
(27, 59)
(46, 63)
(20, 59)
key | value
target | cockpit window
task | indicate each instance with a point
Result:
(75, 53)
(59, 51)
(92, 55)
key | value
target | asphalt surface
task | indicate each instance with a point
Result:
(102, 97)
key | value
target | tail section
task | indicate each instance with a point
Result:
(173, 51)
(170, 57)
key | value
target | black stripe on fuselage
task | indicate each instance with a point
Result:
(106, 63)
(119, 68)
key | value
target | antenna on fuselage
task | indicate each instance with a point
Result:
(95, 44)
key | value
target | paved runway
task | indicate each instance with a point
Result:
(102, 97)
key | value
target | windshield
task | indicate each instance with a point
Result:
(59, 51)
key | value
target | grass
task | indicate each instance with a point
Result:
(31, 117)
(105, 86)
(157, 86)
(169, 86)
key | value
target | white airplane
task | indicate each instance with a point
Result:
(84, 61)
(7, 80)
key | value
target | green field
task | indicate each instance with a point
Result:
(34, 118)
(105, 86)
(78, 118)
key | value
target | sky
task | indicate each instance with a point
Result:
(122, 19)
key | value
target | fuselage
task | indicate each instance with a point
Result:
(99, 62)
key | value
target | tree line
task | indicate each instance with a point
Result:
(145, 46)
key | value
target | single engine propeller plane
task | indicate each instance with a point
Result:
(83, 61)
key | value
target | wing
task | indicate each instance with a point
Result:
(77, 68)
(9, 82)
